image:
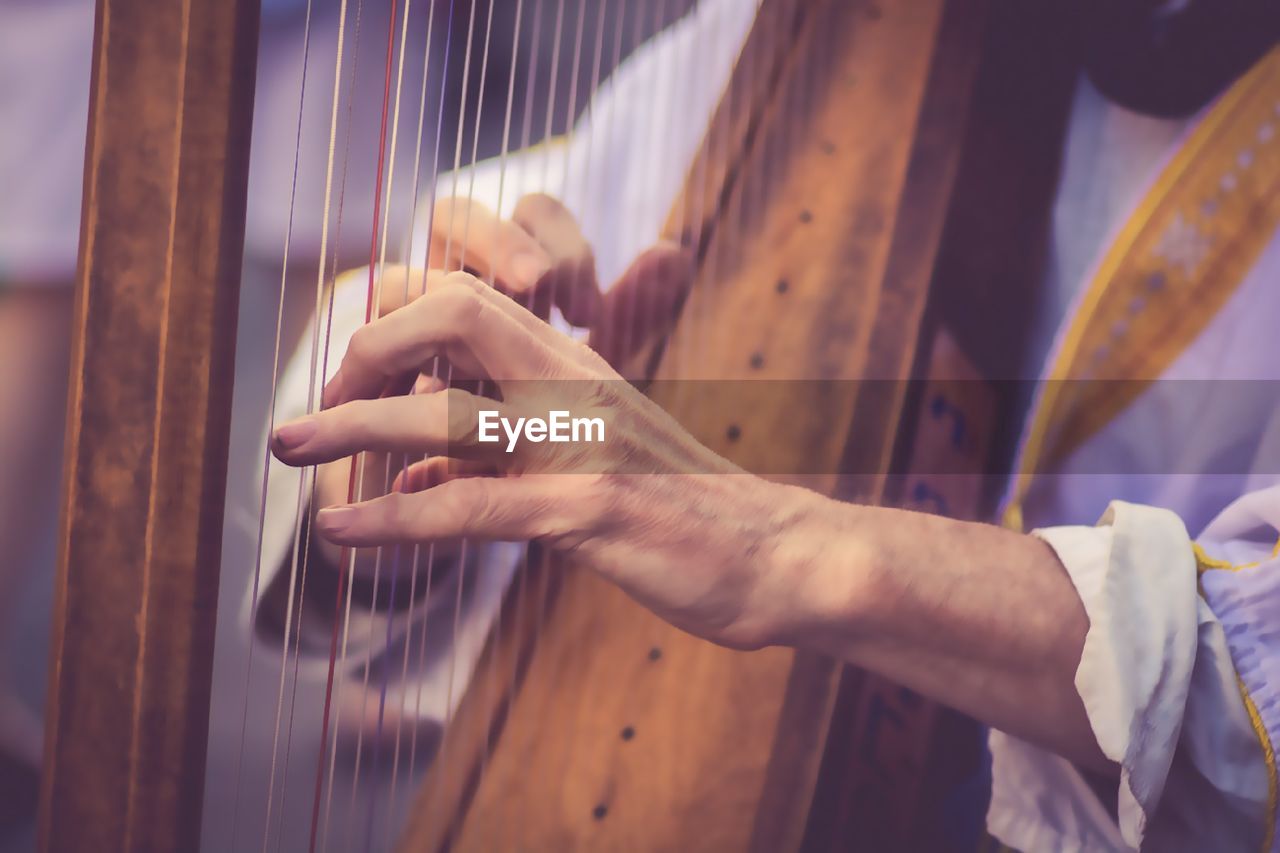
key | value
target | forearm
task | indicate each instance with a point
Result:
(979, 618)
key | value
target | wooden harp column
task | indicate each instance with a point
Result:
(150, 403)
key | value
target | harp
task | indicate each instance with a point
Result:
(830, 246)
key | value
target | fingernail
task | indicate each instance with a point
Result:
(335, 519)
(528, 269)
(294, 434)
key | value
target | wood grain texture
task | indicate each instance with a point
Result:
(626, 734)
(149, 410)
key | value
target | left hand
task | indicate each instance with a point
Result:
(684, 531)
(541, 259)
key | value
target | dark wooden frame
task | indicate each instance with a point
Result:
(162, 232)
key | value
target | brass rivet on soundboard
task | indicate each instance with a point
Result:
(733, 433)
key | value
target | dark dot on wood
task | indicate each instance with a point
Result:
(655, 653)
(757, 360)
(628, 733)
(600, 811)
(783, 285)
(806, 216)
(828, 147)
(733, 433)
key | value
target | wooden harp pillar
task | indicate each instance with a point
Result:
(154, 337)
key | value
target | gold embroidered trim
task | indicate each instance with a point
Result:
(1268, 758)
(1205, 563)
(1188, 244)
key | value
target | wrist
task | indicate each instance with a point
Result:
(822, 569)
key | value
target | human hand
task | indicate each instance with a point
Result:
(684, 531)
(540, 258)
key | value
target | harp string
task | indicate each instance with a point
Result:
(435, 368)
(310, 403)
(548, 150)
(379, 278)
(350, 123)
(627, 335)
(567, 594)
(520, 579)
(271, 412)
(385, 671)
(326, 338)
(495, 640)
(346, 581)
(422, 649)
(573, 127)
(693, 210)
(729, 228)
(408, 278)
(448, 261)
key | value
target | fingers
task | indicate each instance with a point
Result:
(539, 256)
(465, 233)
(429, 473)
(643, 304)
(571, 282)
(475, 507)
(399, 285)
(481, 332)
(443, 423)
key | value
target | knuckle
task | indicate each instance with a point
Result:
(462, 415)
(464, 280)
(360, 347)
(400, 512)
(470, 501)
(459, 303)
(357, 418)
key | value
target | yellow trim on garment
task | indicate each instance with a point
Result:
(1206, 563)
(1268, 758)
(1198, 230)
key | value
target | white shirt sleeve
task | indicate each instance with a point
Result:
(1161, 693)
